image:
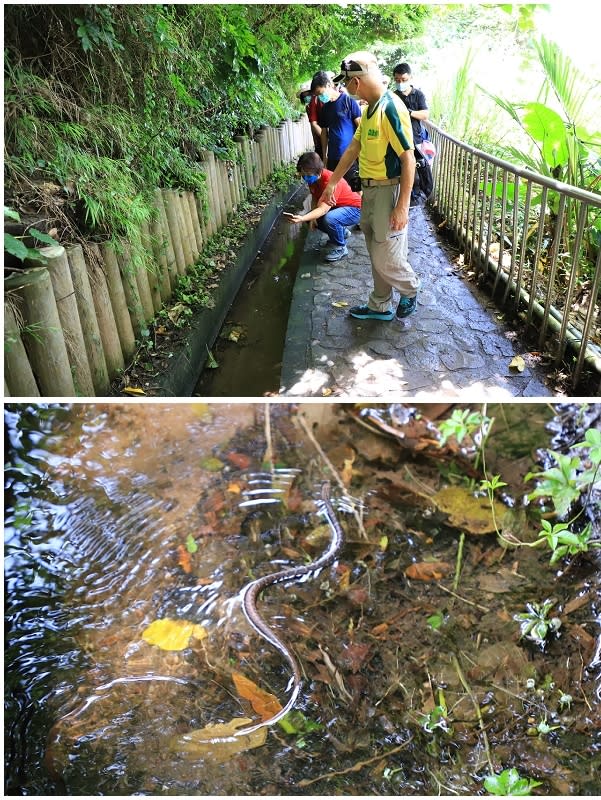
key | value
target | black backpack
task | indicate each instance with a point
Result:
(423, 181)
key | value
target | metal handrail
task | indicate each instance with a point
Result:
(479, 196)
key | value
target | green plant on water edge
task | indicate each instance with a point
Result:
(438, 718)
(562, 484)
(509, 783)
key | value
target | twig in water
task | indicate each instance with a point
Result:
(268, 457)
(459, 562)
(356, 767)
(470, 694)
(463, 599)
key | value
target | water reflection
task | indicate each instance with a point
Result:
(104, 501)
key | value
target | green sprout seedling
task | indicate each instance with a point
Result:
(535, 623)
(509, 783)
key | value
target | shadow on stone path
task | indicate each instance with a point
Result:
(452, 346)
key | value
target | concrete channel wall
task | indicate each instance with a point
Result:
(72, 321)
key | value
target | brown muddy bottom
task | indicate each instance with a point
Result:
(416, 681)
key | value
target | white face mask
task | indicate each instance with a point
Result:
(403, 86)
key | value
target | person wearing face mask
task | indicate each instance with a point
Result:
(383, 142)
(338, 117)
(331, 219)
(305, 95)
(415, 100)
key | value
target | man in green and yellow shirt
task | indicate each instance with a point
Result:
(383, 143)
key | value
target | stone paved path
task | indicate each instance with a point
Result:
(452, 346)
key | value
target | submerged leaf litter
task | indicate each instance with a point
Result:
(417, 676)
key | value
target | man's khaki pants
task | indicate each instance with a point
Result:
(387, 249)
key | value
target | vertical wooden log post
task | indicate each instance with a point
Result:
(238, 180)
(118, 300)
(46, 350)
(213, 213)
(251, 152)
(57, 264)
(286, 141)
(231, 169)
(158, 244)
(174, 229)
(280, 150)
(275, 149)
(290, 126)
(130, 288)
(269, 150)
(240, 140)
(190, 238)
(224, 185)
(107, 325)
(89, 323)
(196, 227)
(259, 141)
(218, 190)
(185, 224)
(164, 246)
(154, 272)
(141, 276)
(200, 200)
(18, 376)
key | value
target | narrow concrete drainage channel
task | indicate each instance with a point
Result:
(245, 333)
(248, 351)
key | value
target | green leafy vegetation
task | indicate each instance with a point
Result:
(105, 102)
(535, 623)
(509, 783)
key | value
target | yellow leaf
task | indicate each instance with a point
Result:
(234, 488)
(339, 304)
(318, 535)
(263, 703)
(383, 542)
(212, 464)
(172, 634)
(199, 742)
(133, 390)
(472, 514)
(347, 470)
(517, 362)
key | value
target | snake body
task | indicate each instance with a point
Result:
(251, 592)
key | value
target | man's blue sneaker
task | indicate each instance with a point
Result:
(406, 306)
(365, 312)
(336, 253)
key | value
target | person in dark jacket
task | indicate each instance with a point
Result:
(415, 100)
(338, 117)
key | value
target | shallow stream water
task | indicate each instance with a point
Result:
(119, 515)
(249, 350)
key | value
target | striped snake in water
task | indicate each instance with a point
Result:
(249, 596)
(252, 590)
